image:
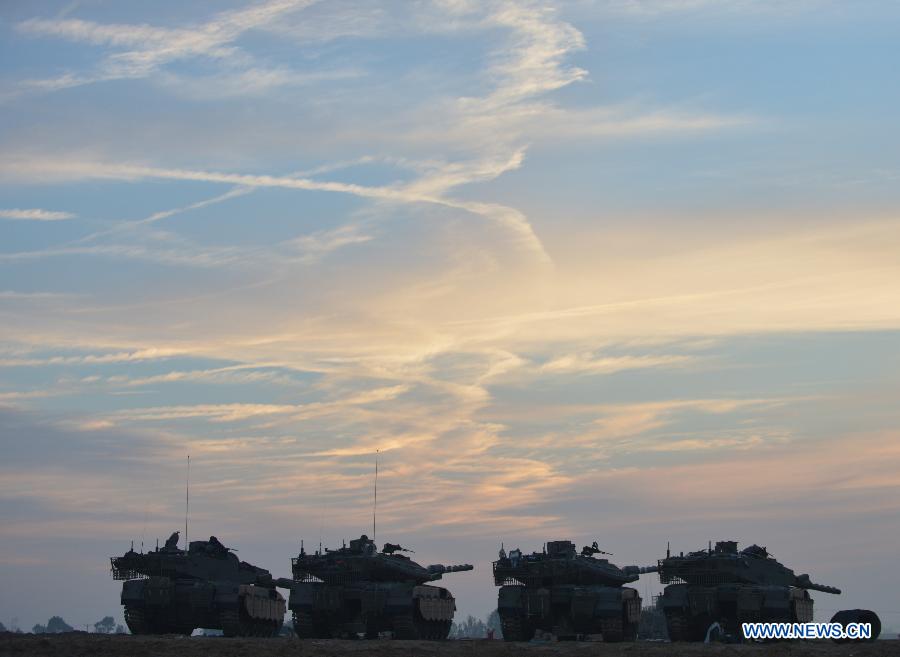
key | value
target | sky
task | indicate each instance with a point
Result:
(613, 270)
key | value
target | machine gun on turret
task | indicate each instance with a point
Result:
(390, 548)
(590, 550)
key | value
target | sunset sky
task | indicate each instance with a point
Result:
(613, 270)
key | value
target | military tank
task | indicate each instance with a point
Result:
(174, 591)
(358, 591)
(568, 594)
(729, 587)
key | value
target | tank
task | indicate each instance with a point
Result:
(358, 591)
(565, 593)
(174, 591)
(726, 586)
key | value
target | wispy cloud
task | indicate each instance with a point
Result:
(35, 214)
(590, 364)
(155, 47)
(34, 296)
(619, 422)
(94, 359)
(508, 217)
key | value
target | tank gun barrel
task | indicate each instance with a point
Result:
(640, 570)
(803, 582)
(436, 570)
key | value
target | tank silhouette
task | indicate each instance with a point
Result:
(357, 590)
(568, 594)
(729, 587)
(174, 591)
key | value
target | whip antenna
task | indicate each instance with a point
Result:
(187, 501)
(375, 502)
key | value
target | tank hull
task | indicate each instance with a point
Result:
(691, 609)
(162, 605)
(367, 609)
(569, 611)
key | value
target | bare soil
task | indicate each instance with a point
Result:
(76, 644)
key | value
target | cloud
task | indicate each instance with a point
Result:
(34, 296)
(630, 420)
(514, 220)
(35, 215)
(657, 8)
(322, 242)
(533, 62)
(149, 353)
(588, 364)
(155, 47)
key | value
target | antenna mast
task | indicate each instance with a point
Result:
(187, 501)
(375, 502)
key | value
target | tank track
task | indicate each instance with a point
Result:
(139, 622)
(514, 628)
(307, 626)
(404, 627)
(408, 627)
(677, 627)
(438, 630)
(612, 629)
(236, 624)
(631, 631)
(303, 625)
(681, 627)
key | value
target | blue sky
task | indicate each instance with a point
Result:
(625, 271)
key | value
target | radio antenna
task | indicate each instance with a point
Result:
(375, 502)
(187, 501)
(144, 530)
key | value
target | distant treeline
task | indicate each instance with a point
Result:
(475, 628)
(56, 625)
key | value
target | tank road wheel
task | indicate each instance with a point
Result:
(303, 625)
(258, 627)
(137, 621)
(612, 630)
(230, 620)
(631, 631)
(676, 625)
(514, 628)
(404, 627)
(436, 630)
(443, 629)
(233, 624)
(306, 626)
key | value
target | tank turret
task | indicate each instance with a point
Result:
(170, 590)
(568, 593)
(357, 590)
(728, 586)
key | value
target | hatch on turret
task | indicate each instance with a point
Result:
(561, 548)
